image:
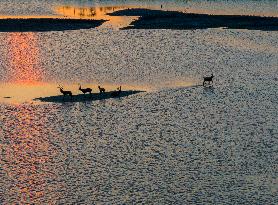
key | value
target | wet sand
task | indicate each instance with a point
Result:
(158, 19)
(46, 24)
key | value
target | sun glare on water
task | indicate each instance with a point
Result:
(24, 59)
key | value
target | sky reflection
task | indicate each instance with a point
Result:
(97, 13)
(24, 73)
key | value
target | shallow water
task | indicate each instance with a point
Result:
(177, 143)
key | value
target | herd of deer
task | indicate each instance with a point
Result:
(89, 90)
(119, 89)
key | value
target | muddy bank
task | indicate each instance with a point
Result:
(157, 19)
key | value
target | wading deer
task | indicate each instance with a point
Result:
(64, 92)
(208, 79)
(101, 90)
(85, 90)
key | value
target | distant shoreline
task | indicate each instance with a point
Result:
(47, 24)
(159, 19)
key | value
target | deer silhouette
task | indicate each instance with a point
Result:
(85, 90)
(208, 79)
(65, 92)
(117, 92)
(101, 90)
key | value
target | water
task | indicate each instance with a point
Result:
(251, 7)
(177, 143)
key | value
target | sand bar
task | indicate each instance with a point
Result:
(158, 19)
(46, 24)
(87, 97)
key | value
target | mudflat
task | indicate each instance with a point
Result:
(159, 19)
(46, 24)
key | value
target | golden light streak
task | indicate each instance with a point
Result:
(24, 58)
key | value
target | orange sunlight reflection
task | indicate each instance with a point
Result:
(24, 59)
(97, 13)
(93, 12)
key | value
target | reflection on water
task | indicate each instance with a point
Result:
(86, 12)
(26, 154)
(97, 13)
(21, 93)
(24, 58)
(24, 72)
(16, 93)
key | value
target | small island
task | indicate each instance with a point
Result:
(87, 97)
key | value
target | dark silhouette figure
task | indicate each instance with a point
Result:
(208, 79)
(117, 92)
(85, 90)
(101, 90)
(64, 92)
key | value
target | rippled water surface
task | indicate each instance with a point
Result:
(49, 7)
(177, 143)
